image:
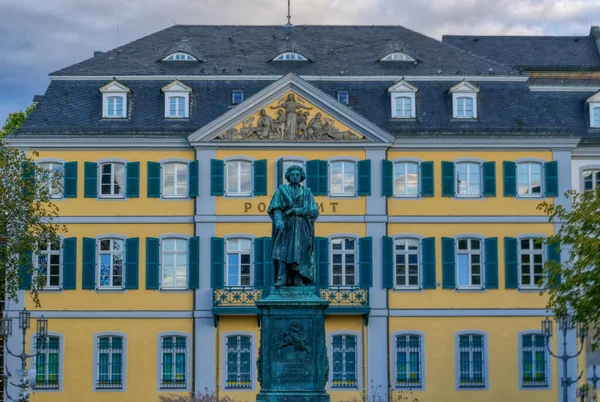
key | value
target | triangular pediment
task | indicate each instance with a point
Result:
(176, 86)
(114, 86)
(291, 110)
(403, 86)
(464, 87)
(594, 98)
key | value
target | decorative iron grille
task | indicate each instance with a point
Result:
(346, 297)
(236, 296)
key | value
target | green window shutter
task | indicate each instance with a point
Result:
(365, 264)
(193, 178)
(510, 178)
(268, 276)
(69, 264)
(511, 256)
(70, 180)
(217, 177)
(153, 180)
(322, 259)
(387, 178)
(427, 185)
(428, 262)
(489, 179)
(448, 263)
(323, 178)
(388, 262)
(260, 177)
(28, 176)
(194, 263)
(551, 178)
(88, 273)
(133, 180)
(152, 263)
(448, 181)
(553, 254)
(25, 270)
(132, 255)
(90, 180)
(364, 177)
(491, 262)
(316, 177)
(280, 173)
(217, 256)
(259, 263)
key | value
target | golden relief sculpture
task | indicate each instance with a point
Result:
(294, 121)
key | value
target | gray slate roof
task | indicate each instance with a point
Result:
(534, 52)
(248, 50)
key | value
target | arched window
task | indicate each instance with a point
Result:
(112, 180)
(397, 56)
(174, 263)
(471, 360)
(406, 257)
(110, 362)
(290, 56)
(180, 56)
(469, 263)
(344, 361)
(239, 177)
(173, 362)
(48, 362)
(468, 179)
(344, 265)
(239, 262)
(111, 254)
(238, 366)
(175, 180)
(343, 178)
(409, 360)
(531, 262)
(49, 263)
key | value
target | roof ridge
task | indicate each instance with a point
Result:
(516, 36)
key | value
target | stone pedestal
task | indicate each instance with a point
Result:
(292, 364)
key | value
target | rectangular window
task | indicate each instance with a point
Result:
(343, 178)
(47, 362)
(531, 262)
(173, 364)
(529, 177)
(237, 97)
(115, 106)
(534, 361)
(239, 371)
(407, 262)
(464, 107)
(110, 261)
(175, 180)
(238, 262)
(408, 361)
(596, 116)
(343, 262)
(468, 179)
(591, 178)
(176, 106)
(174, 263)
(343, 97)
(471, 364)
(406, 179)
(468, 262)
(112, 180)
(239, 178)
(49, 263)
(51, 178)
(403, 107)
(110, 363)
(344, 361)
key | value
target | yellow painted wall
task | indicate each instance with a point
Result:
(447, 298)
(237, 205)
(142, 206)
(438, 205)
(140, 299)
(141, 363)
(503, 358)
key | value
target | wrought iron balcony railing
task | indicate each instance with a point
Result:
(346, 296)
(239, 296)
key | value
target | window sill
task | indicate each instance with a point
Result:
(110, 290)
(407, 196)
(239, 195)
(52, 289)
(529, 289)
(109, 389)
(49, 389)
(471, 119)
(400, 118)
(117, 118)
(529, 197)
(175, 197)
(470, 289)
(111, 197)
(407, 289)
(347, 196)
(167, 118)
(173, 290)
(469, 197)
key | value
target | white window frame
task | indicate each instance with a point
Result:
(485, 357)
(407, 162)
(403, 89)
(180, 56)
(531, 252)
(114, 89)
(470, 252)
(96, 373)
(43, 163)
(397, 56)
(595, 179)
(464, 89)
(469, 164)
(175, 253)
(48, 252)
(112, 176)
(344, 252)
(290, 56)
(529, 193)
(110, 252)
(238, 192)
(177, 89)
(343, 194)
(341, 94)
(407, 253)
(239, 253)
(181, 110)
(594, 108)
(159, 361)
(422, 372)
(233, 93)
(358, 349)
(163, 178)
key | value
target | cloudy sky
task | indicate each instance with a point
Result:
(41, 36)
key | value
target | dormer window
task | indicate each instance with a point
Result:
(177, 100)
(290, 56)
(180, 56)
(594, 102)
(464, 100)
(397, 56)
(114, 100)
(403, 96)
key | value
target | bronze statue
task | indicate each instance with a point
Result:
(291, 106)
(293, 211)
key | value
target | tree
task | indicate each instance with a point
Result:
(14, 120)
(574, 283)
(26, 214)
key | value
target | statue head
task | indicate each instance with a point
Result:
(290, 96)
(318, 115)
(263, 112)
(295, 174)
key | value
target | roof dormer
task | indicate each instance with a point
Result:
(397, 56)
(290, 56)
(464, 100)
(114, 100)
(403, 102)
(594, 104)
(180, 56)
(177, 100)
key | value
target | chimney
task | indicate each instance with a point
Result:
(595, 33)
(97, 53)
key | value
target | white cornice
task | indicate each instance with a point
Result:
(512, 142)
(586, 152)
(561, 88)
(99, 142)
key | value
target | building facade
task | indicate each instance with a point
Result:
(427, 162)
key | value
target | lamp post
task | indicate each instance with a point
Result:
(27, 380)
(565, 324)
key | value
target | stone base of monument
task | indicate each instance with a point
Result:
(292, 364)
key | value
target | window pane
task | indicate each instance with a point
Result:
(245, 185)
